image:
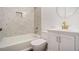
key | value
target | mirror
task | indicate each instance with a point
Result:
(66, 12)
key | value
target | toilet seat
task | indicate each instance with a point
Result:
(38, 42)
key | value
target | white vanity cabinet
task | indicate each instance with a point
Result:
(67, 43)
(61, 41)
(52, 42)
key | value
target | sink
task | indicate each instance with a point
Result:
(69, 30)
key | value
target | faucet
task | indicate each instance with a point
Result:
(65, 26)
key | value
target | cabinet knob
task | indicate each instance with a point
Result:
(58, 39)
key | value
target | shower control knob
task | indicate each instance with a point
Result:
(0, 29)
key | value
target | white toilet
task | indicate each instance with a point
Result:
(39, 45)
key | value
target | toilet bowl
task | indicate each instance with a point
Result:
(39, 45)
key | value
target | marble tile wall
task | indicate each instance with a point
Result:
(14, 23)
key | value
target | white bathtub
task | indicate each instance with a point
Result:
(17, 43)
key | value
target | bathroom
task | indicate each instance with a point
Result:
(21, 27)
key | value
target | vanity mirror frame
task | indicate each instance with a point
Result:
(65, 12)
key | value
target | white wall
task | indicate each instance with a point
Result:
(13, 24)
(49, 18)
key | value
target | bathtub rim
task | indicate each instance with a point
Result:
(4, 46)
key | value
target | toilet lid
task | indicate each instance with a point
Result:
(38, 42)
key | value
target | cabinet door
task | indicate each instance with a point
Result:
(52, 42)
(66, 43)
(77, 43)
